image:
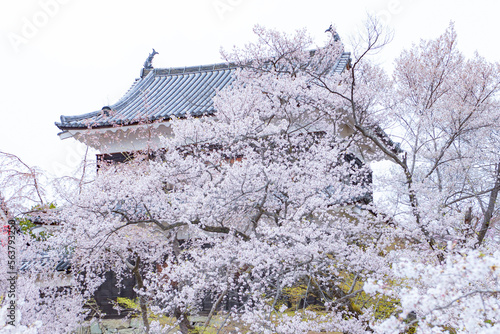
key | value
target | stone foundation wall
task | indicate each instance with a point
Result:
(108, 326)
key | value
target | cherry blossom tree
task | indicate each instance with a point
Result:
(22, 192)
(461, 296)
(267, 207)
(444, 189)
(270, 195)
(442, 104)
(20, 186)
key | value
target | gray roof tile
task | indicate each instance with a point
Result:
(165, 92)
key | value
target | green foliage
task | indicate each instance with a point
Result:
(128, 303)
(294, 295)
(135, 307)
(27, 225)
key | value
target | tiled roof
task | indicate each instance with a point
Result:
(162, 93)
(342, 62)
(62, 264)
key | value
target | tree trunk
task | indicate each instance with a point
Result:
(491, 207)
(142, 299)
(184, 324)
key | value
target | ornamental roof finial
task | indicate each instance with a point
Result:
(334, 33)
(148, 64)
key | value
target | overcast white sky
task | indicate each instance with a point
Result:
(74, 56)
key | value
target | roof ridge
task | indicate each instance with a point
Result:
(194, 69)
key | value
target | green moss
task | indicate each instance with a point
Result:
(127, 303)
